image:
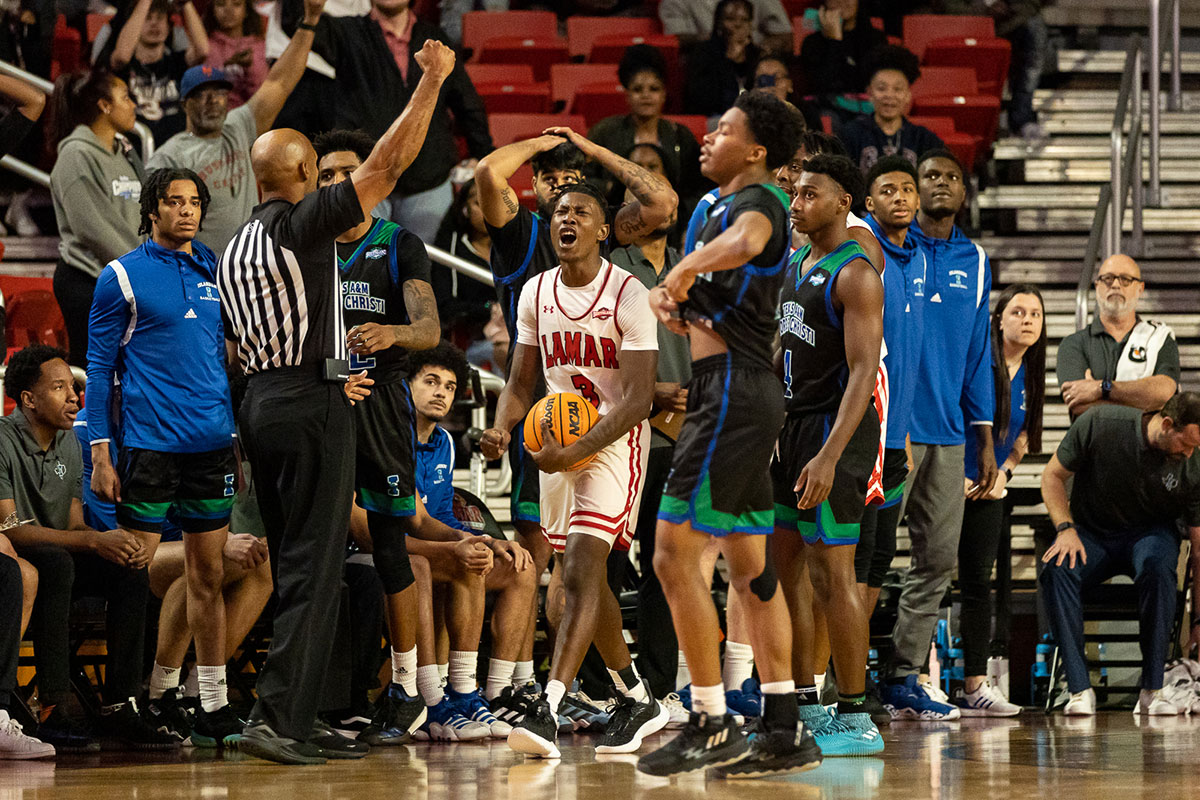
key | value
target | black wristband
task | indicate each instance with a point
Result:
(1062, 526)
(1007, 474)
(304, 26)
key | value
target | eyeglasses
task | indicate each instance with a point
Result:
(1110, 280)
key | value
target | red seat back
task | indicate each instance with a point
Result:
(514, 98)
(940, 81)
(977, 115)
(537, 53)
(696, 123)
(582, 32)
(34, 318)
(481, 26)
(989, 58)
(921, 29)
(595, 101)
(566, 78)
(499, 73)
(509, 128)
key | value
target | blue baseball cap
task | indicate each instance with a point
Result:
(202, 75)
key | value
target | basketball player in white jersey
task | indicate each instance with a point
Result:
(587, 326)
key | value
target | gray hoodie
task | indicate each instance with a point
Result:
(97, 195)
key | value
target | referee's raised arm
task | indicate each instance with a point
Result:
(376, 177)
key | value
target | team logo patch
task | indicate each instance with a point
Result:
(60, 469)
(1137, 354)
(1170, 481)
(602, 313)
(377, 252)
(958, 279)
(230, 485)
(818, 279)
(393, 482)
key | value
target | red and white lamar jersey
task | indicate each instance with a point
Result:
(580, 331)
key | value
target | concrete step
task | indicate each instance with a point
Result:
(1049, 196)
(1055, 220)
(1113, 61)
(1097, 170)
(1181, 300)
(1066, 271)
(1100, 100)
(1066, 246)
(1067, 123)
(1090, 147)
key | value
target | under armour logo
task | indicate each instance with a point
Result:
(547, 309)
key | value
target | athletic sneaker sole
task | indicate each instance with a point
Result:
(649, 728)
(771, 773)
(981, 712)
(724, 762)
(526, 741)
(928, 716)
(230, 742)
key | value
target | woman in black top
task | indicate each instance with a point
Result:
(643, 74)
(464, 304)
(720, 68)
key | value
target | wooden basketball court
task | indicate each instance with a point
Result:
(1035, 757)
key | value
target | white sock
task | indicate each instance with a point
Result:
(683, 675)
(191, 685)
(819, 680)
(429, 684)
(463, 664)
(212, 687)
(523, 673)
(162, 680)
(739, 664)
(404, 670)
(443, 672)
(554, 695)
(779, 687)
(618, 681)
(709, 700)
(499, 677)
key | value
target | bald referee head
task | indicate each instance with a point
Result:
(285, 165)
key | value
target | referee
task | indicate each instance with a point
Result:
(281, 295)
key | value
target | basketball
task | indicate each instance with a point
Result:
(569, 416)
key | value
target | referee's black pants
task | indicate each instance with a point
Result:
(299, 435)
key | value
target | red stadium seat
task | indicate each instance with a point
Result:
(537, 53)
(977, 115)
(595, 101)
(963, 145)
(582, 32)
(609, 48)
(921, 29)
(696, 123)
(66, 48)
(481, 26)
(509, 128)
(566, 78)
(499, 73)
(800, 32)
(514, 98)
(945, 81)
(97, 21)
(988, 57)
(13, 285)
(34, 318)
(796, 8)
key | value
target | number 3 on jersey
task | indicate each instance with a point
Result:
(587, 390)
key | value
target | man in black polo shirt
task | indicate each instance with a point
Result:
(281, 294)
(1120, 358)
(41, 469)
(521, 249)
(1136, 475)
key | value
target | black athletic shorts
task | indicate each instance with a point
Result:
(385, 433)
(202, 487)
(720, 480)
(895, 471)
(835, 521)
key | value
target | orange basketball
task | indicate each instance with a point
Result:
(569, 417)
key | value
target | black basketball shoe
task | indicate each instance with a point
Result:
(704, 742)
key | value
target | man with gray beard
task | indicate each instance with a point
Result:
(1120, 358)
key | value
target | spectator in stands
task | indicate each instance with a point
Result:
(152, 69)
(15, 126)
(720, 67)
(1136, 477)
(1018, 335)
(836, 59)
(464, 304)
(650, 258)
(96, 185)
(694, 21)
(217, 142)
(376, 76)
(1120, 358)
(1020, 22)
(773, 73)
(643, 74)
(887, 132)
(236, 44)
(18, 588)
(40, 473)
(957, 401)
(453, 10)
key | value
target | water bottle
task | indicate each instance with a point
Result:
(1039, 682)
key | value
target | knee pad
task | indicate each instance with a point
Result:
(766, 583)
(392, 563)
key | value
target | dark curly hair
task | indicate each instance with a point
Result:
(842, 171)
(343, 140)
(155, 188)
(443, 356)
(820, 143)
(893, 56)
(25, 368)
(584, 187)
(891, 164)
(772, 124)
(941, 152)
(641, 58)
(564, 156)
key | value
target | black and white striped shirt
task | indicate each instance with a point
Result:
(279, 283)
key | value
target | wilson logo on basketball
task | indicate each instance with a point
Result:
(602, 314)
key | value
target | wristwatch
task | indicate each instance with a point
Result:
(1105, 388)
(1062, 526)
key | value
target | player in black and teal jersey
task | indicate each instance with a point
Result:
(830, 330)
(389, 309)
(725, 290)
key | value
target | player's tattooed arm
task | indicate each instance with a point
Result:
(422, 333)
(654, 201)
(497, 198)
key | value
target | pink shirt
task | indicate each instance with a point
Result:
(246, 79)
(397, 44)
